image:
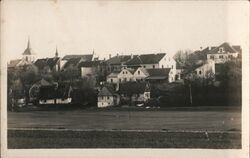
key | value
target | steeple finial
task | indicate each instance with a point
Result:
(28, 45)
(56, 52)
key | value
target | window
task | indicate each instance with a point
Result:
(211, 57)
(125, 79)
(144, 66)
(139, 72)
(108, 97)
(200, 72)
(102, 97)
(162, 66)
(221, 56)
(120, 80)
(126, 72)
(111, 80)
(153, 66)
(122, 72)
(221, 50)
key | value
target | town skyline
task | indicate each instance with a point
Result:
(118, 27)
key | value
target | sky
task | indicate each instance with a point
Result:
(124, 27)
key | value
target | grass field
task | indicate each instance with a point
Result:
(126, 128)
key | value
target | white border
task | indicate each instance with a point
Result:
(173, 153)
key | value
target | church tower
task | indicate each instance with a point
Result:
(28, 54)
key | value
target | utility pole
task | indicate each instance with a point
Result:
(190, 93)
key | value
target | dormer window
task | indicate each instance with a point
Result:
(138, 72)
(221, 49)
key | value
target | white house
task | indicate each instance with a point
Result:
(126, 75)
(152, 61)
(113, 77)
(140, 74)
(107, 97)
(223, 53)
(206, 70)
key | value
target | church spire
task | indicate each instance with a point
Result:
(56, 52)
(28, 45)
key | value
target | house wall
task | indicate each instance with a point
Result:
(150, 66)
(86, 71)
(146, 96)
(178, 74)
(49, 101)
(139, 75)
(112, 79)
(221, 57)
(63, 62)
(171, 75)
(205, 69)
(64, 101)
(29, 58)
(125, 76)
(106, 101)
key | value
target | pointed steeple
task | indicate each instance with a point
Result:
(28, 45)
(56, 52)
(27, 51)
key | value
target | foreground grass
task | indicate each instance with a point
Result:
(23, 139)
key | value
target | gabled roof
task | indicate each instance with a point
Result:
(51, 62)
(85, 57)
(143, 70)
(73, 61)
(14, 63)
(146, 59)
(113, 74)
(201, 54)
(89, 63)
(107, 91)
(130, 70)
(226, 46)
(237, 48)
(130, 88)
(158, 72)
(55, 91)
(117, 60)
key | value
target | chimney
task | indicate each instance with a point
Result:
(200, 48)
(104, 59)
(109, 56)
(132, 55)
(117, 54)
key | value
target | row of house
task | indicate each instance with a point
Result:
(124, 77)
(209, 60)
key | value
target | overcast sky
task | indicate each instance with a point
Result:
(78, 27)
